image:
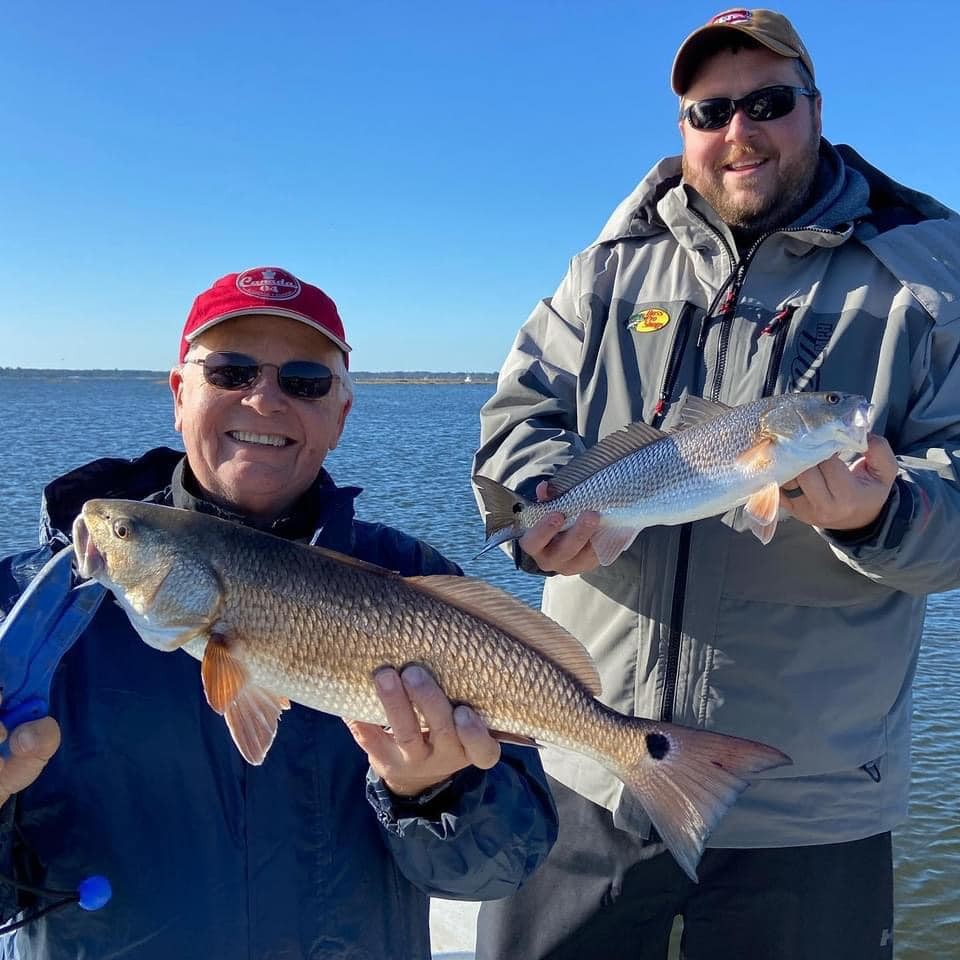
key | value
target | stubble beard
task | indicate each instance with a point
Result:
(761, 214)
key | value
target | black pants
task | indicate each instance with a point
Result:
(594, 898)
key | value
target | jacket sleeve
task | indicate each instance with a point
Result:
(913, 545)
(477, 838)
(16, 572)
(528, 428)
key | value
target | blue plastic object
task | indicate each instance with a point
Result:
(94, 892)
(43, 625)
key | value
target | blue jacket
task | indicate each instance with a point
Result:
(210, 857)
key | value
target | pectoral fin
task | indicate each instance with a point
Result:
(609, 542)
(758, 457)
(251, 713)
(761, 512)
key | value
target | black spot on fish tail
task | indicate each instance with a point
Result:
(658, 745)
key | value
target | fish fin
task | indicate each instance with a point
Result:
(252, 719)
(609, 542)
(761, 512)
(686, 779)
(501, 508)
(696, 410)
(505, 612)
(613, 447)
(353, 561)
(757, 457)
(251, 712)
(223, 675)
(515, 738)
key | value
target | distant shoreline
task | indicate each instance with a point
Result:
(360, 376)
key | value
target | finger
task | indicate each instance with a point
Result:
(543, 491)
(478, 746)
(813, 485)
(570, 543)
(836, 478)
(373, 740)
(539, 536)
(404, 722)
(790, 491)
(437, 711)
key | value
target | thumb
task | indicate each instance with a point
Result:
(36, 740)
(879, 460)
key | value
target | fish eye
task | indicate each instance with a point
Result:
(121, 528)
(833, 398)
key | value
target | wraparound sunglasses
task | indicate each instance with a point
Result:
(769, 103)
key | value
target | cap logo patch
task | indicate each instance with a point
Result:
(733, 16)
(647, 321)
(268, 284)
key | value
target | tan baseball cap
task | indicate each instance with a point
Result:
(768, 27)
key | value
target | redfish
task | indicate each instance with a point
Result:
(274, 622)
(717, 458)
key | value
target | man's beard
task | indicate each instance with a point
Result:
(758, 215)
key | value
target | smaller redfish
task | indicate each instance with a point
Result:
(717, 458)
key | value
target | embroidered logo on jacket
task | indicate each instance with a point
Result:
(647, 321)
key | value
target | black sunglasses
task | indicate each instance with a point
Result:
(302, 379)
(770, 103)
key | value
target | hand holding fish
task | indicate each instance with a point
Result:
(555, 550)
(835, 496)
(410, 759)
(31, 746)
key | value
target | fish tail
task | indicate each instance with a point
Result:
(686, 779)
(502, 512)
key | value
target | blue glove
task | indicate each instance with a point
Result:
(43, 625)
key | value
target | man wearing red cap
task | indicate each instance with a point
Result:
(763, 260)
(332, 847)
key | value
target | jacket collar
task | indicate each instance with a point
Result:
(323, 514)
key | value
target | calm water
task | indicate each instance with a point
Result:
(410, 446)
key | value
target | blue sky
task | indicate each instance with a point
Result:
(431, 165)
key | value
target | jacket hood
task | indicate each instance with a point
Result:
(849, 190)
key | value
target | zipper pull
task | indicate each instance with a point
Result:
(777, 319)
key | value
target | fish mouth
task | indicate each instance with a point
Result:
(90, 560)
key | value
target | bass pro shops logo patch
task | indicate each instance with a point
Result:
(648, 321)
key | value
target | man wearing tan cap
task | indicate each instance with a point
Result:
(763, 260)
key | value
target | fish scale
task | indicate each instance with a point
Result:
(274, 622)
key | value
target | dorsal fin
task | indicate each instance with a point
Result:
(353, 562)
(613, 447)
(501, 610)
(696, 410)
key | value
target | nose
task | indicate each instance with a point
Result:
(264, 394)
(740, 128)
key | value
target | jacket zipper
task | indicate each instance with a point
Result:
(673, 364)
(778, 327)
(723, 303)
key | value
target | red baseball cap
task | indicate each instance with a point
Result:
(264, 290)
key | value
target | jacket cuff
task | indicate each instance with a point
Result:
(396, 814)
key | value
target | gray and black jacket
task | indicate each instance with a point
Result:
(811, 642)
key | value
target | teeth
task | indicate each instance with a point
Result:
(269, 439)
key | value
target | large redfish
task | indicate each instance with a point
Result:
(274, 621)
(717, 458)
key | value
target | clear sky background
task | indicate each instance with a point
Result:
(432, 165)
